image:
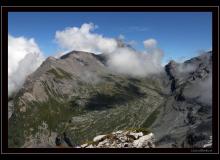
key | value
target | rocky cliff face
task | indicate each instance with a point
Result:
(186, 115)
(71, 100)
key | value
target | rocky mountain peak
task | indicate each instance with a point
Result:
(170, 69)
(172, 63)
(76, 54)
(50, 58)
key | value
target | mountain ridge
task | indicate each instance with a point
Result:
(78, 95)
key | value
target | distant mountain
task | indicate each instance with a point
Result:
(77, 97)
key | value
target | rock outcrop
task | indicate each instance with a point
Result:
(122, 139)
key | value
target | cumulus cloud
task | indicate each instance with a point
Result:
(121, 58)
(24, 56)
(83, 39)
(150, 43)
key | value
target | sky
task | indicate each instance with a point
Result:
(181, 35)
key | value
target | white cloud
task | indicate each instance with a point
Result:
(83, 39)
(24, 56)
(123, 60)
(130, 62)
(201, 90)
(150, 43)
(186, 68)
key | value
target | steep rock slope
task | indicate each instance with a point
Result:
(185, 119)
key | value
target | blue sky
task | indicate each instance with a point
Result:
(179, 34)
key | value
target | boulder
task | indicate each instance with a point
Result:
(99, 138)
(146, 141)
(136, 135)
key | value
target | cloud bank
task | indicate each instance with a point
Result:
(131, 62)
(186, 68)
(24, 57)
(202, 91)
(120, 59)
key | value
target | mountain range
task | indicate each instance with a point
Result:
(76, 97)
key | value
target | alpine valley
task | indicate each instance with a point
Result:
(70, 100)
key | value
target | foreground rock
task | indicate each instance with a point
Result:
(122, 139)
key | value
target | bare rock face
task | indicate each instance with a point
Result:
(122, 139)
(187, 114)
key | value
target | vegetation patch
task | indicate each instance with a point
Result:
(15, 132)
(59, 73)
(52, 112)
(91, 142)
(150, 120)
(109, 95)
(117, 94)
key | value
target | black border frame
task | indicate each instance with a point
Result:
(4, 58)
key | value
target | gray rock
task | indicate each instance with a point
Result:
(121, 139)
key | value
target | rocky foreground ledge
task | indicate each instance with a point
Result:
(122, 139)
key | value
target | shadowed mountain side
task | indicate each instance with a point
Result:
(104, 101)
